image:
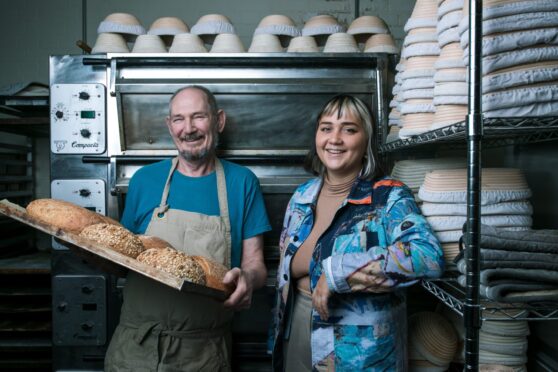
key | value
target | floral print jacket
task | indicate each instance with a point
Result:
(377, 231)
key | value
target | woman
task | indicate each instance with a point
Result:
(351, 242)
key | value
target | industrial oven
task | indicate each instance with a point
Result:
(107, 121)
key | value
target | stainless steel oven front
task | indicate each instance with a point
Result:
(107, 120)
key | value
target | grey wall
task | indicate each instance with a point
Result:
(31, 30)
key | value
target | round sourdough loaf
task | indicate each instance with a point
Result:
(214, 272)
(114, 237)
(175, 263)
(153, 242)
(63, 215)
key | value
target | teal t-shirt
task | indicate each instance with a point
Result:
(199, 194)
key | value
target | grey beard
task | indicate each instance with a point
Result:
(190, 156)
(203, 154)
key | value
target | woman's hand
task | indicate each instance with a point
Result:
(320, 298)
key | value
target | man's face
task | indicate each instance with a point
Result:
(194, 130)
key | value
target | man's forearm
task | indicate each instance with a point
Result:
(253, 265)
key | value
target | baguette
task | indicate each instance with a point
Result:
(114, 237)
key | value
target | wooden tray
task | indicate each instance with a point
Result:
(19, 213)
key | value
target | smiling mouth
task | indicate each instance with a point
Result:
(334, 151)
(191, 138)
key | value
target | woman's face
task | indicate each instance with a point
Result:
(341, 144)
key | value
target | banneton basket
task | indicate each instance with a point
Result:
(167, 27)
(420, 63)
(149, 44)
(448, 114)
(433, 337)
(122, 23)
(265, 43)
(227, 43)
(280, 25)
(365, 26)
(413, 124)
(303, 44)
(393, 134)
(451, 56)
(110, 43)
(187, 43)
(381, 43)
(321, 26)
(211, 25)
(425, 14)
(421, 35)
(447, 6)
(341, 43)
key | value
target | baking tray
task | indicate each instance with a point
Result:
(19, 213)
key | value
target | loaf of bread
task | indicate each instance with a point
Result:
(107, 219)
(175, 263)
(62, 214)
(153, 242)
(114, 237)
(214, 272)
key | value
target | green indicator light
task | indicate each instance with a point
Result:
(88, 114)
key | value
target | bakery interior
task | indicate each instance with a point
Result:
(411, 65)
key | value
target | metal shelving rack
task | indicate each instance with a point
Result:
(496, 132)
(491, 132)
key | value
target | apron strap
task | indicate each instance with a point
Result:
(224, 206)
(164, 206)
(221, 196)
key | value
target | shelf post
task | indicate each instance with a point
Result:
(472, 316)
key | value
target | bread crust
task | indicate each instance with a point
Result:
(64, 215)
(214, 272)
(107, 219)
(150, 241)
(175, 263)
(114, 237)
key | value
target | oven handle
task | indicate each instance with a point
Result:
(95, 159)
(96, 62)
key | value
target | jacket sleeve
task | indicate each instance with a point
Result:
(410, 251)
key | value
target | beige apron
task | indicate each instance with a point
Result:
(162, 329)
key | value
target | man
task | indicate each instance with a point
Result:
(202, 206)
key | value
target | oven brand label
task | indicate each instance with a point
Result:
(84, 145)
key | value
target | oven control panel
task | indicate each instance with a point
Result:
(89, 193)
(77, 118)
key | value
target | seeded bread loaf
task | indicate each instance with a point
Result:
(114, 237)
(175, 263)
(63, 215)
(153, 242)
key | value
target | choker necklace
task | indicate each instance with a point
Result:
(341, 187)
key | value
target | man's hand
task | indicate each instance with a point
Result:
(241, 297)
(251, 274)
(320, 298)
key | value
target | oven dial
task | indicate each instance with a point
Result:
(84, 193)
(84, 96)
(85, 133)
(60, 112)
